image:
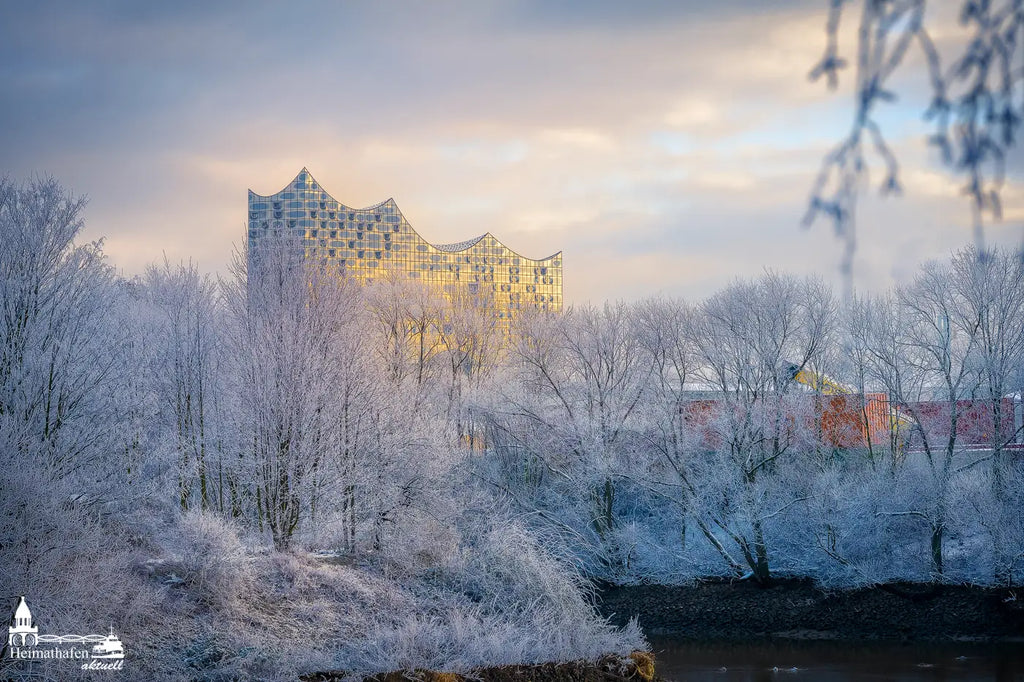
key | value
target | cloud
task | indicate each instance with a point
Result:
(586, 139)
(672, 143)
(736, 181)
(694, 112)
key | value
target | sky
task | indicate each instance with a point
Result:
(666, 147)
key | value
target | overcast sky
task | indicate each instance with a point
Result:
(664, 146)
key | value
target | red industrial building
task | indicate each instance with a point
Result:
(848, 420)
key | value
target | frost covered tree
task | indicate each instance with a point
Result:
(922, 351)
(58, 355)
(332, 441)
(944, 341)
(597, 378)
(66, 447)
(750, 340)
(989, 288)
(283, 341)
(662, 327)
(880, 356)
(564, 422)
(408, 316)
(470, 334)
(184, 343)
(989, 291)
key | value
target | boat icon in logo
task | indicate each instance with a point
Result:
(109, 648)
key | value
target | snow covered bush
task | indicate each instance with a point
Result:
(502, 600)
(213, 561)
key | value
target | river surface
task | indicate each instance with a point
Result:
(681, 661)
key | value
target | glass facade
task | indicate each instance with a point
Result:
(367, 242)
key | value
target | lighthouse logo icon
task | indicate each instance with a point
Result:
(22, 633)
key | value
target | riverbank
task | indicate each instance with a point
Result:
(798, 609)
(637, 667)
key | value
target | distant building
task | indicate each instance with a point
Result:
(369, 242)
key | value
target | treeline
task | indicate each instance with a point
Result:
(660, 440)
(669, 440)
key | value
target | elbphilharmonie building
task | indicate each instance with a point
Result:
(368, 243)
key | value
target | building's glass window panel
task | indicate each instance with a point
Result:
(315, 214)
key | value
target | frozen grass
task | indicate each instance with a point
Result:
(208, 604)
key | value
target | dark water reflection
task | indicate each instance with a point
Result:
(837, 662)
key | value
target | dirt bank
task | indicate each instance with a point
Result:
(722, 610)
(637, 667)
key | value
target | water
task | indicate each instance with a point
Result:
(777, 661)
